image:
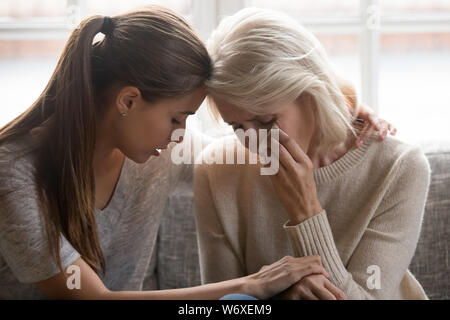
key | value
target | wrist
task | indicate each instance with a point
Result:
(298, 216)
(245, 285)
(251, 286)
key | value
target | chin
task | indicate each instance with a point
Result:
(141, 158)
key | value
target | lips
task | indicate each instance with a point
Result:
(157, 151)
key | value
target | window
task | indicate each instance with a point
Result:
(32, 37)
(25, 9)
(111, 7)
(396, 52)
(398, 56)
(414, 84)
(308, 9)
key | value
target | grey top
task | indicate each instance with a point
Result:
(127, 227)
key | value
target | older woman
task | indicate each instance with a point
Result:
(359, 209)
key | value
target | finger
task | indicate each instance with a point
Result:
(315, 259)
(284, 157)
(322, 293)
(338, 293)
(369, 133)
(313, 269)
(392, 129)
(374, 122)
(383, 134)
(367, 114)
(281, 180)
(307, 294)
(293, 148)
(361, 135)
(384, 125)
(384, 130)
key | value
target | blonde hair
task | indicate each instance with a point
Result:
(262, 58)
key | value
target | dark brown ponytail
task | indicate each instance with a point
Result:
(153, 49)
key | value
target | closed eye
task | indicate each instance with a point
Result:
(262, 123)
(268, 123)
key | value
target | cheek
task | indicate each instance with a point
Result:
(289, 126)
(297, 127)
(157, 129)
(148, 129)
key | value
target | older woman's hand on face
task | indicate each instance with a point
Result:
(294, 183)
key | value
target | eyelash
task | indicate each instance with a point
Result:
(262, 123)
(268, 122)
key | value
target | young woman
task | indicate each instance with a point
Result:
(359, 209)
(82, 183)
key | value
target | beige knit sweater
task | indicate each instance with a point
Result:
(373, 199)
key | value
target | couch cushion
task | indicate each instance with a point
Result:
(177, 257)
(430, 264)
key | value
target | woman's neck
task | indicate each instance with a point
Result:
(106, 154)
(321, 158)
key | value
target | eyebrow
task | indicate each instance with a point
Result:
(252, 119)
(188, 112)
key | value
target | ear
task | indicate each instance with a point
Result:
(309, 105)
(127, 98)
(306, 100)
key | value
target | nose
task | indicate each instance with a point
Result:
(172, 138)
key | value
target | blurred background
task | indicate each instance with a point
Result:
(396, 52)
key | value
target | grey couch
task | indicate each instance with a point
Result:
(176, 256)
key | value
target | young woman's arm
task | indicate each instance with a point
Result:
(269, 281)
(92, 287)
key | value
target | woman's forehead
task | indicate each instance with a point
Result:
(232, 113)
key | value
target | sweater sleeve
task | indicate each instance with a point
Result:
(23, 241)
(218, 259)
(387, 244)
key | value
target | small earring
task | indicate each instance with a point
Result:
(123, 114)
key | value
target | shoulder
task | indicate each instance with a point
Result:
(17, 162)
(406, 166)
(399, 154)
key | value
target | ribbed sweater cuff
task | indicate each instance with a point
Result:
(313, 236)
